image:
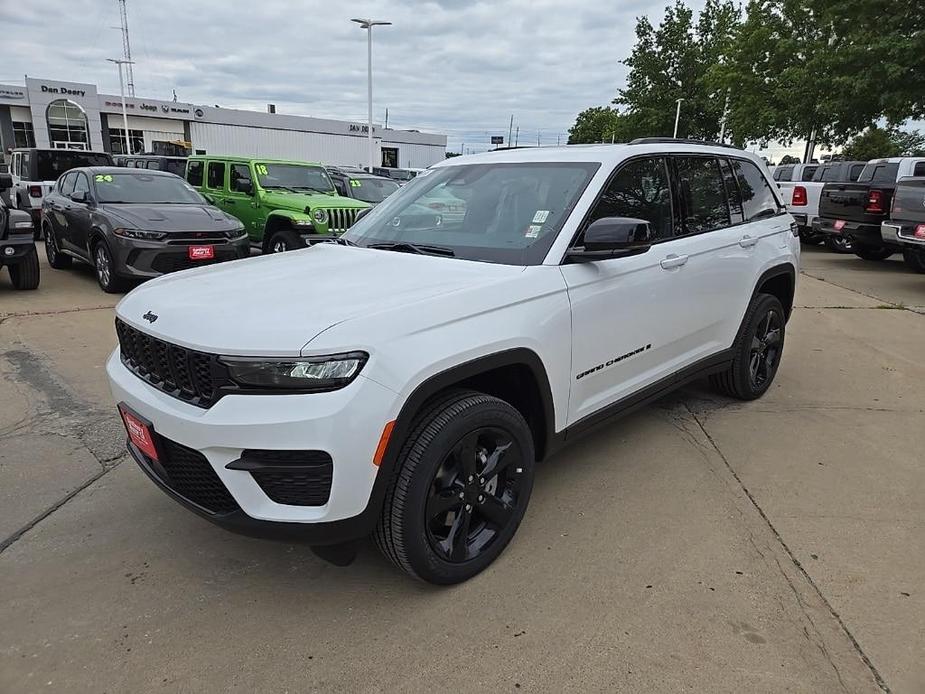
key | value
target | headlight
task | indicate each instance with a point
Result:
(320, 215)
(305, 374)
(236, 233)
(303, 222)
(139, 234)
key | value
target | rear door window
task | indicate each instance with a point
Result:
(194, 173)
(703, 194)
(757, 197)
(216, 175)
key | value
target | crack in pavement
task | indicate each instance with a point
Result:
(28, 314)
(892, 304)
(878, 678)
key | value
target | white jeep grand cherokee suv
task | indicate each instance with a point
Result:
(404, 381)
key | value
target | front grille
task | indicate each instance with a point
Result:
(189, 474)
(339, 220)
(183, 373)
(294, 478)
(174, 262)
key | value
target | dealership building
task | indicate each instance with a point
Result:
(50, 113)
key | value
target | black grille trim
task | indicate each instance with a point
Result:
(189, 474)
(188, 375)
(294, 478)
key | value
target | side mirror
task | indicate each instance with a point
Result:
(242, 185)
(613, 237)
(6, 181)
(79, 196)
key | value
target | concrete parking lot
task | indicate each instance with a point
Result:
(700, 544)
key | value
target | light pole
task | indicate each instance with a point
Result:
(677, 117)
(120, 63)
(368, 24)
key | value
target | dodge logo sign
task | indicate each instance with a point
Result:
(150, 317)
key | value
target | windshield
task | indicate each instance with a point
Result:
(497, 213)
(51, 165)
(145, 188)
(372, 189)
(293, 177)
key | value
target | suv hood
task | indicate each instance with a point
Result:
(299, 201)
(274, 305)
(168, 217)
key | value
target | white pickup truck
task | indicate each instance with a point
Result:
(801, 189)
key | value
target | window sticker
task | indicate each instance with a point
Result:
(541, 216)
(261, 169)
(354, 183)
(100, 178)
(533, 231)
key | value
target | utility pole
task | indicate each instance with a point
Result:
(120, 63)
(510, 130)
(386, 118)
(126, 49)
(722, 127)
(368, 24)
(537, 138)
(677, 117)
(517, 136)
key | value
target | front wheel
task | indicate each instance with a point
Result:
(915, 258)
(106, 275)
(873, 252)
(463, 481)
(25, 274)
(840, 243)
(757, 351)
(284, 240)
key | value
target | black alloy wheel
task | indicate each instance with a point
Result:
(462, 484)
(285, 240)
(474, 494)
(765, 349)
(840, 243)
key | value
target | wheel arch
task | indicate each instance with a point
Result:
(778, 281)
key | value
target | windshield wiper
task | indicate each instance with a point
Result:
(281, 188)
(317, 190)
(420, 249)
(340, 241)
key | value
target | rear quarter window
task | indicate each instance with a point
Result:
(758, 199)
(879, 173)
(808, 172)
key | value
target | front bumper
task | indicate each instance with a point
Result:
(146, 259)
(861, 233)
(16, 248)
(346, 423)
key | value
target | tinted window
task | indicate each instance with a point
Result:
(53, 164)
(216, 174)
(141, 187)
(856, 170)
(82, 184)
(239, 172)
(502, 213)
(640, 189)
(67, 183)
(733, 194)
(919, 169)
(26, 165)
(702, 194)
(783, 173)
(339, 187)
(372, 190)
(808, 172)
(153, 165)
(879, 173)
(757, 196)
(175, 166)
(194, 173)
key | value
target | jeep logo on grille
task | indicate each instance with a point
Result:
(150, 317)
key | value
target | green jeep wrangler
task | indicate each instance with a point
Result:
(280, 203)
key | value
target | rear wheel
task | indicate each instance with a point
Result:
(873, 252)
(284, 240)
(25, 274)
(106, 275)
(839, 243)
(56, 258)
(463, 482)
(757, 351)
(810, 237)
(915, 258)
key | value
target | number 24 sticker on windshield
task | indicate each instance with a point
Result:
(100, 178)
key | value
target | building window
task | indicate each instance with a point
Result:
(67, 124)
(23, 135)
(390, 157)
(117, 141)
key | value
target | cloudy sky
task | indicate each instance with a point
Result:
(449, 66)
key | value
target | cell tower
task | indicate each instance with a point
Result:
(127, 49)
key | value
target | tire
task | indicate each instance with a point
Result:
(809, 237)
(742, 380)
(873, 252)
(839, 243)
(55, 257)
(915, 258)
(284, 240)
(106, 275)
(438, 490)
(25, 274)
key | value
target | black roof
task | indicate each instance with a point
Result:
(678, 140)
(94, 170)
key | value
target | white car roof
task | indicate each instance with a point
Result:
(606, 154)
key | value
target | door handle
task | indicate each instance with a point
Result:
(747, 241)
(673, 261)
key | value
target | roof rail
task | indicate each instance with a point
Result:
(677, 140)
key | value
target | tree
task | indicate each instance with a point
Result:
(788, 159)
(595, 124)
(876, 142)
(673, 62)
